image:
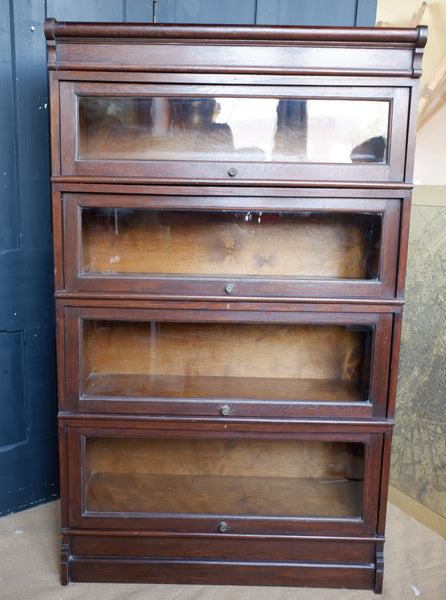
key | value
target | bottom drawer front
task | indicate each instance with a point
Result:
(222, 573)
(232, 548)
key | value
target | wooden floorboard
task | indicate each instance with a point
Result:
(415, 567)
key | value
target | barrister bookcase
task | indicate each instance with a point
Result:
(231, 210)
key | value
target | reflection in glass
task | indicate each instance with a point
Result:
(135, 242)
(294, 478)
(230, 128)
(292, 362)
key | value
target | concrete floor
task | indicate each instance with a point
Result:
(415, 567)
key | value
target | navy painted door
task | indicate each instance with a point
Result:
(28, 436)
(28, 442)
(348, 13)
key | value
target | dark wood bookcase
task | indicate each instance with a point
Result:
(231, 210)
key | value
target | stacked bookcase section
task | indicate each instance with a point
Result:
(231, 210)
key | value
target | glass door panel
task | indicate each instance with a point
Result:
(270, 478)
(191, 133)
(257, 361)
(231, 245)
(207, 128)
(132, 242)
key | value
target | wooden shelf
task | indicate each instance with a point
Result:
(259, 388)
(223, 495)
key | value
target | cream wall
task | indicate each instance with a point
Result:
(430, 155)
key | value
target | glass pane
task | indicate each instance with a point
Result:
(320, 363)
(289, 245)
(225, 128)
(292, 478)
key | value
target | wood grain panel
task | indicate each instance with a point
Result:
(236, 58)
(225, 457)
(223, 350)
(222, 243)
(358, 576)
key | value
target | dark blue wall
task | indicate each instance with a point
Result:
(28, 439)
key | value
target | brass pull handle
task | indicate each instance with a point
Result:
(225, 410)
(232, 172)
(229, 288)
(222, 527)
